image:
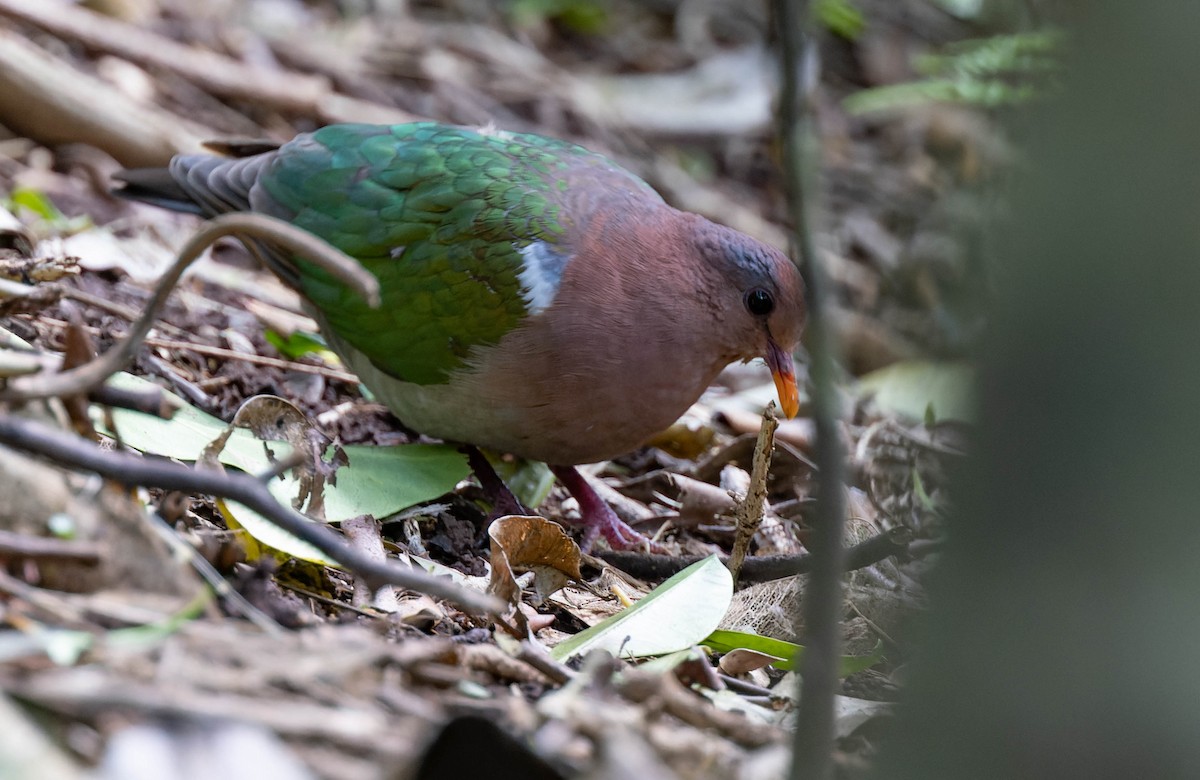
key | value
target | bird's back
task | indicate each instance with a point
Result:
(441, 214)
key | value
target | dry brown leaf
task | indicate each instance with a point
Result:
(742, 661)
(533, 544)
(272, 418)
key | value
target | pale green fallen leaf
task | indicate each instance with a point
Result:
(296, 344)
(377, 481)
(185, 435)
(135, 638)
(265, 534)
(731, 701)
(674, 616)
(380, 481)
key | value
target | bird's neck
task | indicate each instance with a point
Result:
(638, 272)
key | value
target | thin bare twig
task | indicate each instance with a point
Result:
(764, 568)
(327, 601)
(257, 360)
(127, 313)
(536, 656)
(151, 400)
(258, 226)
(128, 469)
(220, 586)
(814, 733)
(223, 353)
(671, 695)
(47, 548)
(750, 511)
(208, 350)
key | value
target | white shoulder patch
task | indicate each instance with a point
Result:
(491, 130)
(541, 274)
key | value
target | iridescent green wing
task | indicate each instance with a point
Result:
(440, 215)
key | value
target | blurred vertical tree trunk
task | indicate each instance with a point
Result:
(1064, 634)
(821, 605)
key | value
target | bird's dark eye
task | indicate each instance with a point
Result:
(759, 302)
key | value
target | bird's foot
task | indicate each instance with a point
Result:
(504, 502)
(598, 517)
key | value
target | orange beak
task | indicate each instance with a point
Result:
(783, 370)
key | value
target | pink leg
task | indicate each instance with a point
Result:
(599, 519)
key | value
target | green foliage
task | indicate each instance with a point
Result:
(841, 17)
(582, 16)
(1020, 54)
(48, 218)
(34, 201)
(1003, 70)
(296, 344)
(788, 653)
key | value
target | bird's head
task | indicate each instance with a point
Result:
(760, 298)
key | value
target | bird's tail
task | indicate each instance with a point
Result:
(209, 185)
(204, 184)
(156, 187)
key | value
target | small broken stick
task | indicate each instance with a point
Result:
(749, 512)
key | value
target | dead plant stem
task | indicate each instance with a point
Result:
(255, 226)
(75, 452)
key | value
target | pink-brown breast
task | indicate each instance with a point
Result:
(642, 322)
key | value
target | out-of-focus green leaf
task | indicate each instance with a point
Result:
(919, 490)
(963, 9)
(1026, 53)
(66, 646)
(1003, 70)
(39, 205)
(841, 18)
(911, 387)
(668, 662)
(297, 344)
(36, 202)
(982, 93)
(582, 16)
(151, 634)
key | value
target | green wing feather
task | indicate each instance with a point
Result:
(439, 214)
